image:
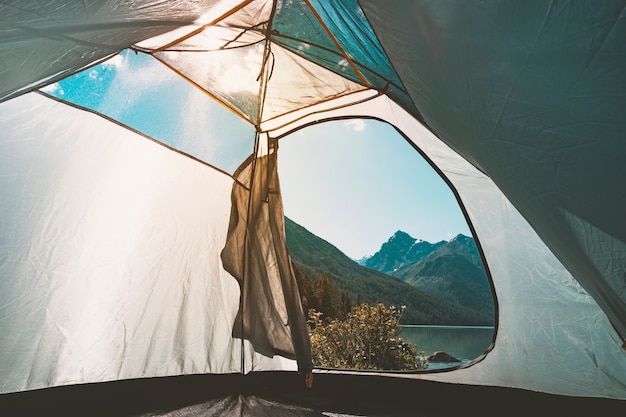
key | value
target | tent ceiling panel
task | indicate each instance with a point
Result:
(242, 25)
(298, 28)
(233, 76)
(213, 38)
(45, 41)
(218, 12)
(140, 92)
(296, 83)
(337, 36)
(230, 75)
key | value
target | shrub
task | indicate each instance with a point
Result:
(367, 339)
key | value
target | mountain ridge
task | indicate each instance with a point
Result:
(450, 269)
(313, 256)
(399, 250)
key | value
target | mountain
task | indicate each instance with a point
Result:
(452, 270)
(400, 250)
(314, 257)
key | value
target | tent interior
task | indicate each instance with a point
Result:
(144, 269)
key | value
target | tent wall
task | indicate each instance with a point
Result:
(528, 96)
(551, 335)
(110, 255)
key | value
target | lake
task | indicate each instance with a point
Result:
(462, 342)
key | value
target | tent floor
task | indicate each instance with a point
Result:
(272, 394)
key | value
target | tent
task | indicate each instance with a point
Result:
(145, 250)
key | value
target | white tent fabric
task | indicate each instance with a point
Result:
(546, 321)
(110, 243)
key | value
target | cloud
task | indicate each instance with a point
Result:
(118, 61)
(304, 47)
(357, 125)
(54, 89)
(240, 75)
(138, 73)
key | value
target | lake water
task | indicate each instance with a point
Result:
(462, 342)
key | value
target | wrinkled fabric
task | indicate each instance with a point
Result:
(270, 315)
(533, 94)
(43, 41)
(109, 253)
(110, 244)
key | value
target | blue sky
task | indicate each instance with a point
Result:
(354, 182)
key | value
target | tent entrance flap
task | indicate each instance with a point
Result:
(270, 314)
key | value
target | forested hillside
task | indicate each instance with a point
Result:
(331, 282)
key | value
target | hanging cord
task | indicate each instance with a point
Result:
(265, 74)
(266, 54)
(264, 77)
(245, 248)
